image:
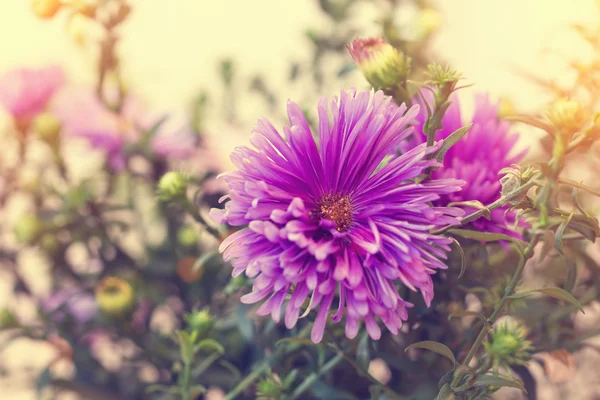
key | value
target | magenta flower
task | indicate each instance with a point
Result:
(476, 159)
(83, 115)
(325, 221)
(25, 92)
(71, 301)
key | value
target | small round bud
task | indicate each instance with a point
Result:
(8, 319)
(46, 9)
(28, 228)
(187, 236)
(269, 388)
(173, 185)
(508, 345)
(380, 62)
(188, 271)
(428, 21)
(566, 115)
(506, 108)
(115, 296)
(48, 127)
(199, 321)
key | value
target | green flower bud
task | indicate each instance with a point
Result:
(187, 236)
(380, 62)
(48, 127)
(508, 345)
(269, 388)
(568, 116)
(28, 228)
(8, 319)
(115, 296)
(199, 321)
(173, 185)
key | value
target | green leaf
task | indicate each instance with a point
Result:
(186, 346)
(42, 381)
(571, 275)
(485, 236)
(531, 121)
(363, 356)
(436, 347)
(375, 391)
(547, 245)
(555, 292)
(446, 393)
(207, 344)
(463, 263)
(560, 231)
(202, 261)
(163, 388)
(470, 314)
(473, 204)
(244, 324)
(289, 379)
(346, 69)
(451, 140)
(295, 340)
(500, 381)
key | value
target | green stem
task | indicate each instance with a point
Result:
(579, 186)
(315, 376)
(510, 289)
(247, 381)
(185, 382)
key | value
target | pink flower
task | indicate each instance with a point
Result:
(25, 92)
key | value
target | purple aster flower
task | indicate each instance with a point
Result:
(324, 220)
(81, 306)
(487, 148)
(83, 115)
(25, 92)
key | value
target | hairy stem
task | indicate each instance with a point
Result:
(509, 291)
(315, 376)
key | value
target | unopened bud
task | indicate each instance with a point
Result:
(48, 127)
(187, 236)
(28, 228)
(428, 21)
(566, 115)
(199, 321)
(380, 62)
(115, 296)
(173, 185)
(508, 345)
(46, 9)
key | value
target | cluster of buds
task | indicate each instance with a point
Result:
(515, 177)
(381, 63)
(567, 116)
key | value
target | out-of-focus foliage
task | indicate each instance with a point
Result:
(142, 304)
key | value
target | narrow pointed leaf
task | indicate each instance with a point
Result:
(451, 140)
(463, 263)
(494, 380)
(470, 314)
(363, 356)
(560, 231)
(571, 275)
(485, 236)
(555, 292)
(473, 204)
(446, 393)
(436, 347)
(530, 121)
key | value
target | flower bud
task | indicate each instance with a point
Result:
(428, 21)
(48, 127)
(28, 228)
(566, 115)
(46, 9)
(269, 388)
(199, 321)
(173, 185)
(115, 296)
(508, 345)
(85, 7)
(188, 271)
(187, 236)
(8, 319)
(382, 64)
(506, 108)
